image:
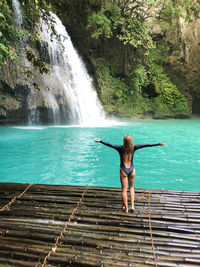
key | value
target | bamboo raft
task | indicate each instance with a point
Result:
(48, 225)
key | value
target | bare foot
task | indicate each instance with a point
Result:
(126, 210)
(132, 210)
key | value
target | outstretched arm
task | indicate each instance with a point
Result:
(98, 140)
(148, 145)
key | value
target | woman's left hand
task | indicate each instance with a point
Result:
(161, 144)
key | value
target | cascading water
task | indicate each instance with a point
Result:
(18, 21)
(17, 14)
(69, 83)
(66, 93)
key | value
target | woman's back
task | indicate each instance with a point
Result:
(127, 159)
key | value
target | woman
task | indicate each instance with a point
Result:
(127, 169)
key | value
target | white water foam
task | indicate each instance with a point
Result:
(29, 127)
(70, 95)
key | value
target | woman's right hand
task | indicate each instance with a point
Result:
(97, 140)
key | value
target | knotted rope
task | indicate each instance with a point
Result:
(53, 249)
(12, 200)
(149, 213)
(151, 235)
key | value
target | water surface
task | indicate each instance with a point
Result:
(68, 154)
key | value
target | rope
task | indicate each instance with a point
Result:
(143, 194)
(53, 249)
(7, 205)
(151, 235)
(150, 229)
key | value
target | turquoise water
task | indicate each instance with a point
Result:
(68, 155)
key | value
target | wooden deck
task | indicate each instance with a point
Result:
(48, 225)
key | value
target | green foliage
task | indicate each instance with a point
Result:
(135, 33)
(171, 96)
(112, 90)
(111, 87)
(37, 62)
(125, 20)
(9, 34)
(7, 51)
(32, 10)
(100, 25)
(123, 86)
(171, 99)
(104, 22)
(117, 96)
(186, 9)
(192, 8)
(139, 77)
(159, 53)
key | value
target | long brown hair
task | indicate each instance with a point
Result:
(128, 144)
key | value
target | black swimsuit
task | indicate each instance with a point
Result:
(120, 149)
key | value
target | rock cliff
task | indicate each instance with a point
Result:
(111, 64)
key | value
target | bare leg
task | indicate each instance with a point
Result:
(131, 189)
(124, 180)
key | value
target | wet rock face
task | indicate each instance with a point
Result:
(13, 107)
(184, 62)
(191, 34)
(20, 102)
(183, 68)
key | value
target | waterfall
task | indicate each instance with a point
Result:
(18, 21)
(17, 14)
(69, 92)
(66, 93)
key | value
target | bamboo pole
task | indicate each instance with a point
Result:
(99, 232)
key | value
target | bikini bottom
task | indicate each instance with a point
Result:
(128, 171)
